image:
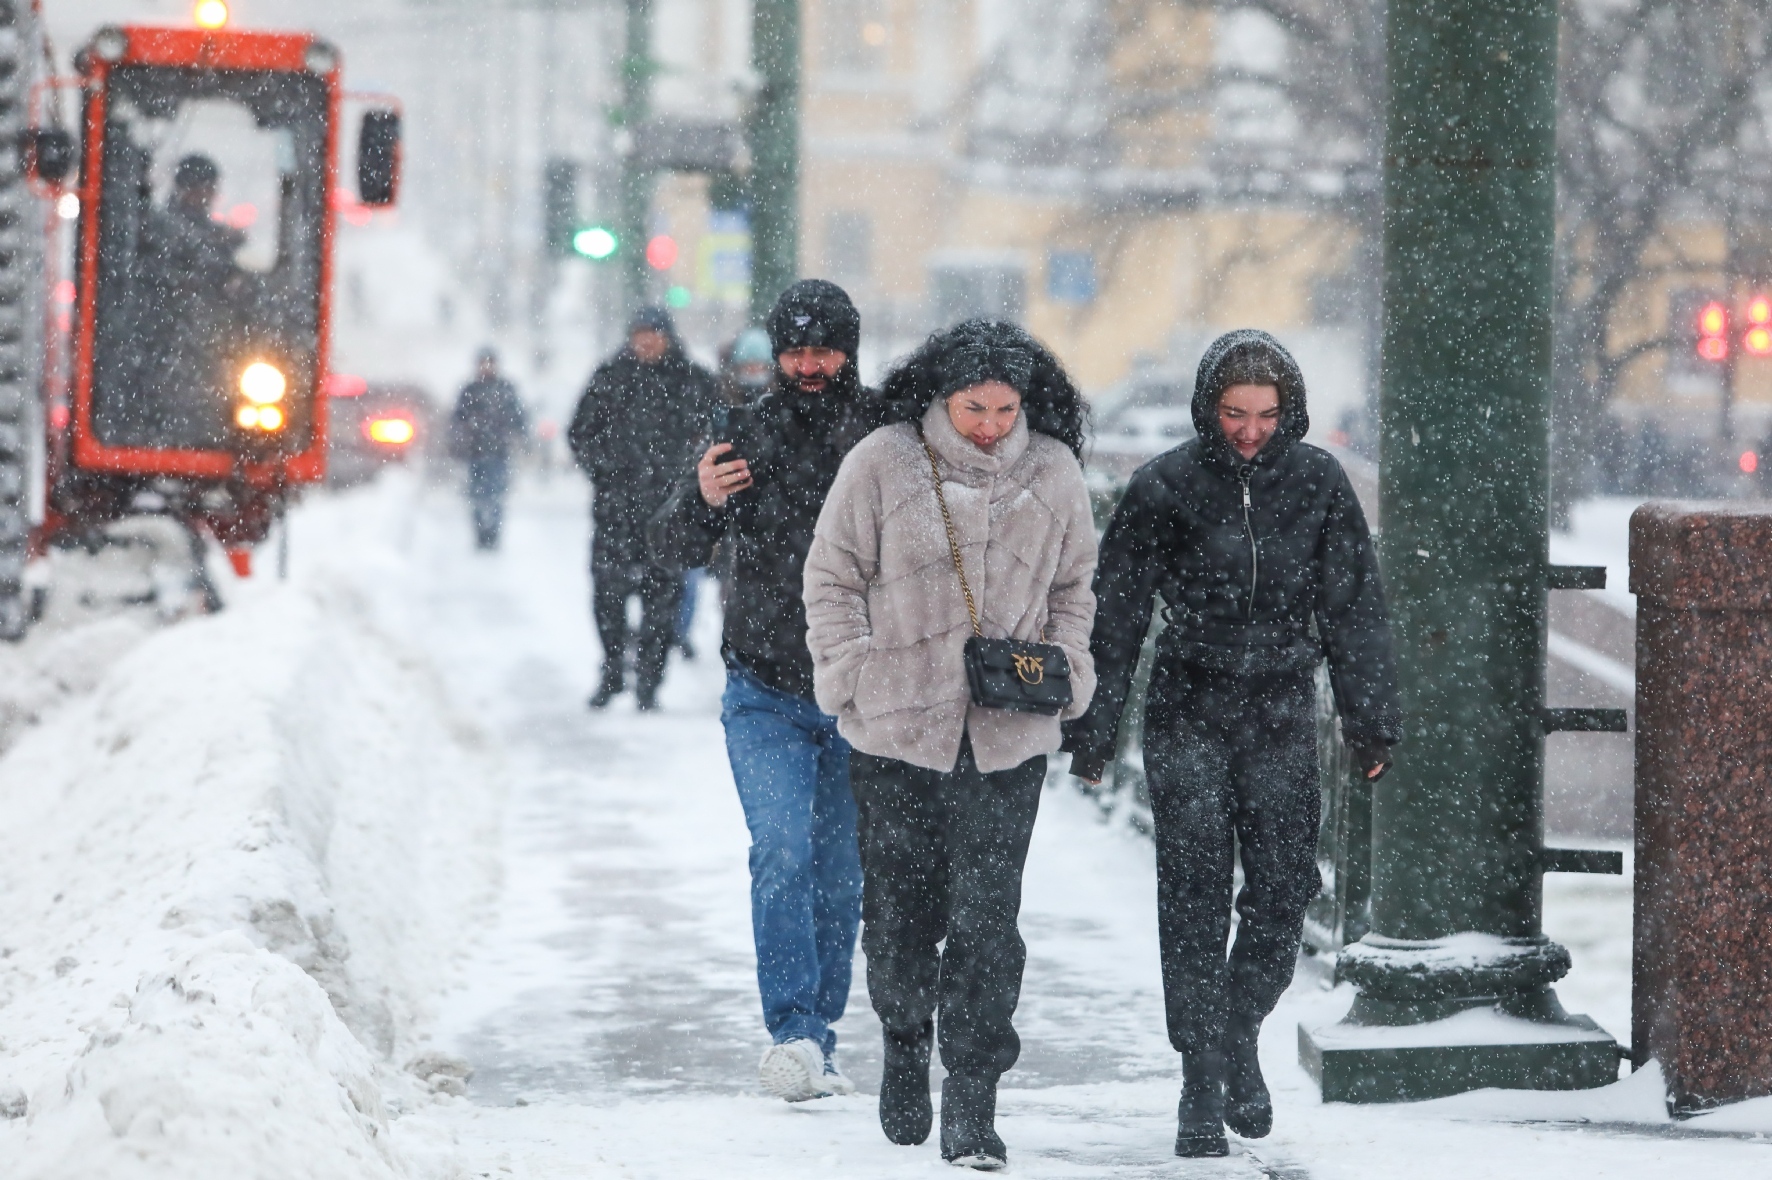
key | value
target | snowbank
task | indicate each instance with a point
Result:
(234, 876)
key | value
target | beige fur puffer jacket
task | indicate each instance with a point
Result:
(887, 623)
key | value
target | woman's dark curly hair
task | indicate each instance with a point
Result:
(975, 351)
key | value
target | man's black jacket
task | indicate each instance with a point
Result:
(794, 443)
(488, 420)
(634, 431)
(1268, 588)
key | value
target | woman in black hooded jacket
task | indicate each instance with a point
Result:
(1260, 553)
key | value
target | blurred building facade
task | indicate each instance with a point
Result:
(975, 157)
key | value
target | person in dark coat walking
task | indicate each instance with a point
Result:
(758, 490)
(1261, 555)
(633, 434)
(487, 423)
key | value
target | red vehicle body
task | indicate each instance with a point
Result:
(198, 345)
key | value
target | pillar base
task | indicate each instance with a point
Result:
(1477, 1049)
(1467, 1012)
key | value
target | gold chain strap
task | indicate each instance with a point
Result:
(953, 541)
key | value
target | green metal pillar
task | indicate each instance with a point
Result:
(637, 69)
(1457, 835)
(773, 134)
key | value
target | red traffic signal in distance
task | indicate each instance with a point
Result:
(1757, 340)
(661, 252)
(1713, 332)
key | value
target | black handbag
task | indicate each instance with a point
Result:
(1013, 674)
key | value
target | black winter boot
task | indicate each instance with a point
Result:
(1200, 1118)
(905, 1110)
(969, 1124)
(1248, 1108)
(609, 689)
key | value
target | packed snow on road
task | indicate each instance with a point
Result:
(345, 881)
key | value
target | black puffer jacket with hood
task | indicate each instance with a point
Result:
(1264, 566)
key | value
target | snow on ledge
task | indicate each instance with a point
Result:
(1479, 1026)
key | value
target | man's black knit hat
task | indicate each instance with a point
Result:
(814, 313)
(652, 319)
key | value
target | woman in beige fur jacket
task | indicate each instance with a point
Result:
(947, 790)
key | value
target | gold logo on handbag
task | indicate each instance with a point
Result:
(1031, 669)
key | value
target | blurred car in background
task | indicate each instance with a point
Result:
(374, 425)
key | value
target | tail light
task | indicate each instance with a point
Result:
(390, 431)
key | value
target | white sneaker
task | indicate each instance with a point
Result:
(834, 1077)
(795, 1071)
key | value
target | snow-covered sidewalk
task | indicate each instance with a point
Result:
(280, 863)
(612, 1014)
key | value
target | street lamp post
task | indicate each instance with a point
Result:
(773, 131)
(1454, 978)
(635, 199)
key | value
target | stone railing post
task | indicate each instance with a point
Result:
(1702, 967)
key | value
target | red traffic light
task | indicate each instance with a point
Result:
(1713, 329)
(1750, 462)
(1757, 341)
(1759, 310)
(661, 252)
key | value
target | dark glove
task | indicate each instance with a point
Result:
(1372, 757)
(1088, 767)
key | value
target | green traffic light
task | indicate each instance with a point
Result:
(595, 243)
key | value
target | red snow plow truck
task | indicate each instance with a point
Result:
(171, 358)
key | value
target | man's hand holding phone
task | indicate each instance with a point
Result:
(719, 480)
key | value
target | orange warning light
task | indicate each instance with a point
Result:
(210, 14)
(1713, 348)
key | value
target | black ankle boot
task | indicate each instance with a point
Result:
(607, 691)
(1248, 1108)
(1200, 1118)
(905, 1110)
(969, 1124)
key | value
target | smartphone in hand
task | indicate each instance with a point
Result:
(730, 425)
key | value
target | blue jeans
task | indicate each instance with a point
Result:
(692, 580)
(792, 771)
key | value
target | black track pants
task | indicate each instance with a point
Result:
(1232, 762)
(619, 570)
(941, 857)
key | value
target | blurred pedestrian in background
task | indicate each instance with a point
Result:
(759, 490)
(968, 517)
(487, 424)
(1261, 554)
(748, 368)
(634, 433)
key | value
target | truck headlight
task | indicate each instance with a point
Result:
(263, 384)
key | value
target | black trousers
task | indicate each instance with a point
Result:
(620, 570)
(941, 858)
(1232, 765)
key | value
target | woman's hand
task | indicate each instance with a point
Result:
(1373, 758)
(1088, 769)
(719, 480)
